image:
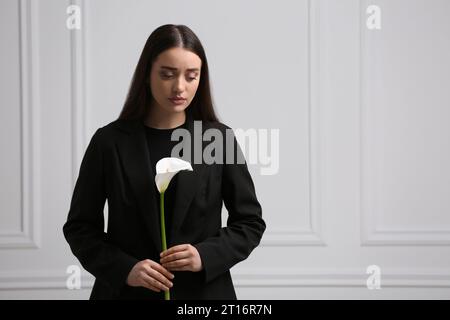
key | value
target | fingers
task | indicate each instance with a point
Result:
(183, 257)
(177, 264)
(153, 284)
(175, 256)
(181, 247)
(159, 277)
(162, 270)
(150, 274)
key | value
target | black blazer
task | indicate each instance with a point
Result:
(116, 167)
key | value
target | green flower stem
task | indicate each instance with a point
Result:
(163, 235)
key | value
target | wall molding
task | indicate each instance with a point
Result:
(40, 279)
(371, 232)
(312, 234)
(78, 91)
(29, 234)
(339, 278)
(249, 278)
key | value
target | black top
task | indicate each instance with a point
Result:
(160, 146)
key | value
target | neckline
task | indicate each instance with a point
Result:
(164, 130)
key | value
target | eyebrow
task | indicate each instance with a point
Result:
(175, 69)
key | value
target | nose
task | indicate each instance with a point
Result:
(179, 85)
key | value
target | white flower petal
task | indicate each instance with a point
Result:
(172, 165)
(166, 169)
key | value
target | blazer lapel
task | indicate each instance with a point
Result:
(188, 182)
(133, 150)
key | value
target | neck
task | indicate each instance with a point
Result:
(160, 120)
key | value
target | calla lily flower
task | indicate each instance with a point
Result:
(166, 169)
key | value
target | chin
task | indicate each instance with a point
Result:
(175, 110)
(178, 108)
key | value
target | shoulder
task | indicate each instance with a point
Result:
(111, 127)
(108, 133)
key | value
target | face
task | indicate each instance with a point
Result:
(175, 73)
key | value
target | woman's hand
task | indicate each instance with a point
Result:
(183, 257)
(150, 274)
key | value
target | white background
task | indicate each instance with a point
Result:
(364, 137)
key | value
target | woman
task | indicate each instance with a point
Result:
(169, 91)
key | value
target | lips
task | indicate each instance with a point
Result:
(177, 101)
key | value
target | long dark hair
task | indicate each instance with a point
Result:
(139, 95)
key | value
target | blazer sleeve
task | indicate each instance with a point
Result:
(245, 225)
(84, 228)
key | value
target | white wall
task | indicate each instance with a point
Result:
(364, 147)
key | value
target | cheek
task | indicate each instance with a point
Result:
(159, 88)
(193, 89)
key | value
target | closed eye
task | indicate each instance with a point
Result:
(169, 76)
